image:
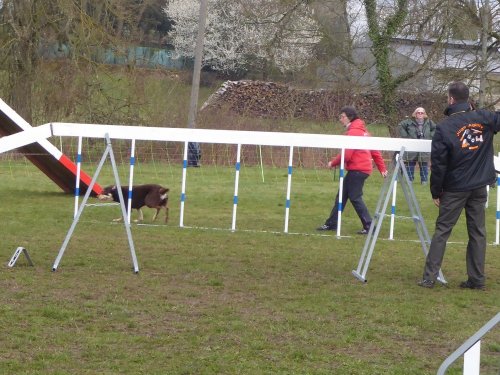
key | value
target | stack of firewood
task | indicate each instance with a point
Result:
(279, 101)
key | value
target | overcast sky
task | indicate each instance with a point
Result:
(357, 17)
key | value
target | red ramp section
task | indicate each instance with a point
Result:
(43, 154)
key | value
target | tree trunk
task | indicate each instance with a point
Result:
(23, 56)
(380, 37)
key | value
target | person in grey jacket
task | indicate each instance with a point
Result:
(418, 126)
(461, 168)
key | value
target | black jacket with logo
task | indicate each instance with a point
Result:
(462, 150)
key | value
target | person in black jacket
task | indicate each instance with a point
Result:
(461, 168)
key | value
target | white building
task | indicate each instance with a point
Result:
(453, 60)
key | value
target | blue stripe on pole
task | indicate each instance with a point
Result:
(132, 160)
(340, 206)
(185, 163)
(288, 203)
(498, 215)
(183, 197)
(235, 199)
(498, 181)
(393, 210)
(79, 158)
(290, 168)
(130, 194)
(77, 192)
(238, 166)
(341, 172)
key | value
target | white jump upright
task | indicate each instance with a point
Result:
(78, 172)
(236, 186)
(288, 189)
(183, 185)
(393, 210)
(393, 205)
(487, 196)
(341, 193)
(472, 360)
(131, 180)
(261, 164)
(470, 350)
(497, 222)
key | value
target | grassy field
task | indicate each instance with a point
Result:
(211, 301)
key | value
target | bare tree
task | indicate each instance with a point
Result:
(432, 26)
(80, 29)
(380, 35)
(484, 18)
(19, 49)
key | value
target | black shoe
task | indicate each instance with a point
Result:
(426, 283)
(363, 231)
(470, 285)
(325, 227)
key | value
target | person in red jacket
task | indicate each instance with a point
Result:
(359, 166)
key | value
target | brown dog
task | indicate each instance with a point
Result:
(150, 195)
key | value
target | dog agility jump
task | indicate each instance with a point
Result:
(292, 140)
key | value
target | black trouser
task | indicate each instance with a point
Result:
(450, 208)
(352, 190)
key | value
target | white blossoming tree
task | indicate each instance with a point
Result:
(247, 33)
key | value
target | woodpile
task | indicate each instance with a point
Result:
(279, 101)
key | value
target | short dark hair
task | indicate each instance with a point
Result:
(350, 112)
(458, 91)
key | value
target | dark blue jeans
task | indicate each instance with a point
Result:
(353, 191)
(422, 165)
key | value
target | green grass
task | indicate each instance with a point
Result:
(211, 301)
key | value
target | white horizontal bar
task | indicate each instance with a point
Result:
(25, 126)
(239, 137)
(26, 137)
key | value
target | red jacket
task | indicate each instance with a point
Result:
(360, 160)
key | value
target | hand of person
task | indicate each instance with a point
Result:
(330, 164)
(436, 201)
(385, 174)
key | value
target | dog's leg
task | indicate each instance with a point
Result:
(141, 216)
(156, 213)
(166, 214)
